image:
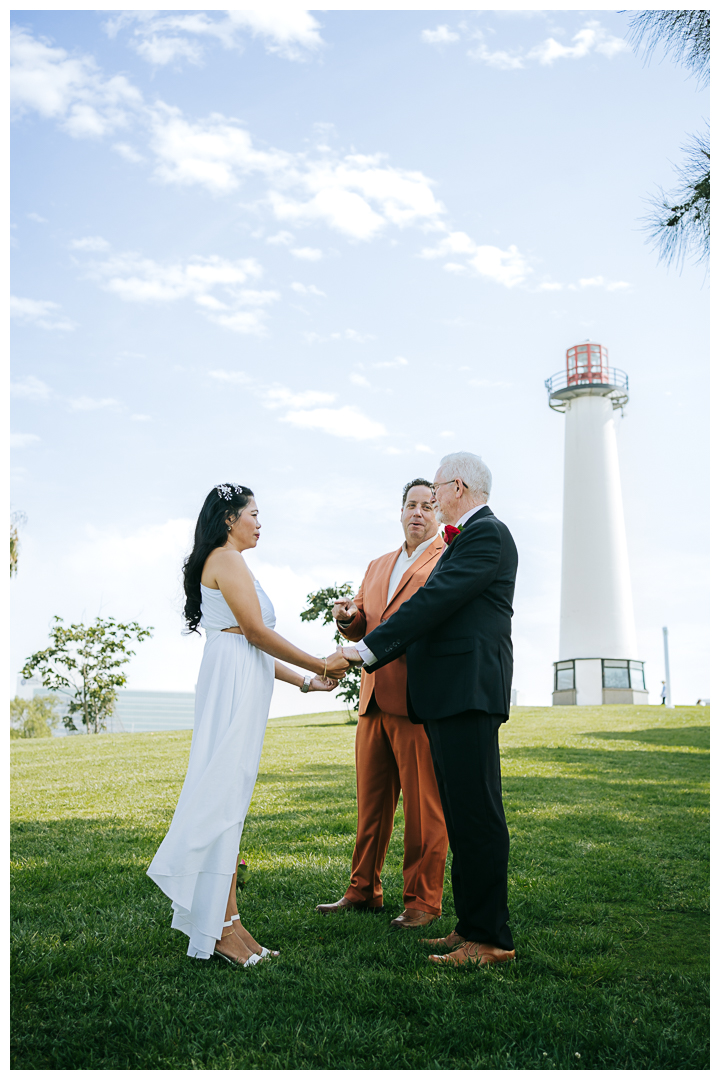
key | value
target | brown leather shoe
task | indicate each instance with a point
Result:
(343, 902)
(450, 942)
(474, 952)
(411, 919)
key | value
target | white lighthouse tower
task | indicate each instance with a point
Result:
(597, 662)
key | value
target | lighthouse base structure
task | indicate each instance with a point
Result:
(598, 681)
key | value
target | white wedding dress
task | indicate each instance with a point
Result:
(195, 863)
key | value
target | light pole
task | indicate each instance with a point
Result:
(668, 695)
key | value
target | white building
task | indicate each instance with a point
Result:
(135, 710)
(597, 662)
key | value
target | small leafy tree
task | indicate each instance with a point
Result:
(87, 663)
(16, 518)
(320, 607)
(33, 719)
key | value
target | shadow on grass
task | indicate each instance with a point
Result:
(696, 736)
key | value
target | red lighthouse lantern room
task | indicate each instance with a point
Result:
(587, 363)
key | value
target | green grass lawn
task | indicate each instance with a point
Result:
(608, 817)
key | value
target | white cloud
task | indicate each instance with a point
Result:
(67, 88)
(32, 388)
(32, 216)
(214, 152)
(399, 361)
(508, 267)
(345, 422)
(276, 397)
(136, 279)
(140, 416)
(489, 384)
(310, 290)
(40, 312)
(358, 195)
(592, 38)
(18, 441)
(307, 253)
(238, 377)
(258, 297)
(90, 243)
(498, 58)
(284, 238)
(549, 286)
(599, 282)
(354, 335)
(88, 404)
(441, 35)
(163, 38)
(126, 151)
(422, 449)
(358, 380)
(446, 434)
(242, 322)
(160, 50)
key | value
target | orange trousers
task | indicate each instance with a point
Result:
(393, 755)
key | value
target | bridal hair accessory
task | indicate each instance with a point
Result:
(226, 491)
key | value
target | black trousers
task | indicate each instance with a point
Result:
(466, 757)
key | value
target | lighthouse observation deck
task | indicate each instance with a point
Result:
(587, 373)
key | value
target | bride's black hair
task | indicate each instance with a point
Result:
(222, 507)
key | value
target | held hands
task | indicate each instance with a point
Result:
(337, 665)
(344, 610)
(351, 654)
(318, 683)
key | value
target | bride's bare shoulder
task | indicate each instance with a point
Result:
(223, 562)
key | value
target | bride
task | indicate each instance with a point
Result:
(196, 864)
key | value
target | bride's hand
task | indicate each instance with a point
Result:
(337, 665)
(318, 683)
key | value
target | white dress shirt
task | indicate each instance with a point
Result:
(402, 562)
(369, 657)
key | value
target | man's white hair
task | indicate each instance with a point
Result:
(470, 468)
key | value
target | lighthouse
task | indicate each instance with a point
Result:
(597, 660)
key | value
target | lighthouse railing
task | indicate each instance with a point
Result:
(609, 377)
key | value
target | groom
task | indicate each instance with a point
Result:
(455, 633)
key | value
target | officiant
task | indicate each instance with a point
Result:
(391, 753)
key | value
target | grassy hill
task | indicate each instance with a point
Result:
(609, 876)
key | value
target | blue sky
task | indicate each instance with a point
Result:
(312, 253)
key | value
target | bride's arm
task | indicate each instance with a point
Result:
(238, 588)
(286, 674)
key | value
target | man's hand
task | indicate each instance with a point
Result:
(352, 655)
(344, 610)
(337, 665)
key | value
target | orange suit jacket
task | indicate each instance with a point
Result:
(389, 683)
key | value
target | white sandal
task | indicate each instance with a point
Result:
(251, 960)
(265, 952)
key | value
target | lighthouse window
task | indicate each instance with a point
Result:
(637, 676)
(565, 675)
(616, 675)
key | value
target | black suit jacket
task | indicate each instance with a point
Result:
(456, 630)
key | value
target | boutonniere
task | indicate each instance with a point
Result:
(450, 533)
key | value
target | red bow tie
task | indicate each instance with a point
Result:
(450, 533)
